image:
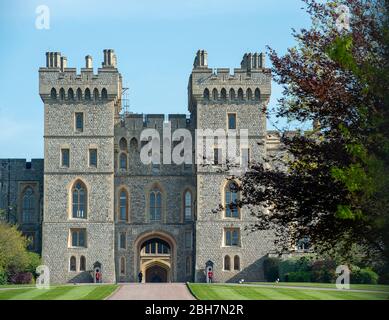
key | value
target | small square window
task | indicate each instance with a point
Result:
(231, 121)
(79, 119)
(93, 157)
(78, 237)
(65, 158)
(232, 237)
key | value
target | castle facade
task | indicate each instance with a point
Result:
(96, 204)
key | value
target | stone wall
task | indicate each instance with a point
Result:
(15, 176)
(104, 128)
(138, 180)
(100, 111)
(211, 113)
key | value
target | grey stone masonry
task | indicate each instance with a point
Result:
(17, 178)
(96, 97)
(99, 205)
(212, 96)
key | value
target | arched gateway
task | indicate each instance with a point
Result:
(156, 257)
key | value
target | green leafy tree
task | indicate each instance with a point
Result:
(14, 257)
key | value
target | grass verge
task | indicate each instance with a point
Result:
(247, 292)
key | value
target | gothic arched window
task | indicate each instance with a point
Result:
(240, 94)
(188, 206)
(79, 196)
(122, 265)
(82, 263)
(96, 94)
(227, 263)
(123, 144)
(249, 94)
(87, 94)
(62, 94)
(104, 94)
(53, 93)
(79, 94)
(215, 95)
(155, 246)
(155, 205)
(223, 94)
(134, 144)
(28, 205)
(123, 205)
(70, 94)
(257, 94)
(206, 94)
(236, 263)
(231, 200)
(72, 264)
(232, 94)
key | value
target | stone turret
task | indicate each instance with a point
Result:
(251, 83)
(85, 86)
(109, 59)
(53, 59)
(201, 60)
(253, 61)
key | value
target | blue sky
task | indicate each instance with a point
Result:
(155, 42)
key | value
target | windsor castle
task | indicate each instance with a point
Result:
(93, 203)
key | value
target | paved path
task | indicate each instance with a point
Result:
(152, 291)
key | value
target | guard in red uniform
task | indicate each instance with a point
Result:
(210, 276)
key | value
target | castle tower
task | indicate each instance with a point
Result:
(80, 111)
(231, 102)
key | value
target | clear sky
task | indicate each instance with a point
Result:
(155, 42)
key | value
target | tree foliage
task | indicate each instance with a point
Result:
(14, 257)
(330, 184)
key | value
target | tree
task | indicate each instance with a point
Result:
(330, 184)
(14, 257)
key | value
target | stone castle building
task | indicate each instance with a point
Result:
(96, 204)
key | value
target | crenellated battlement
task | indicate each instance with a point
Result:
(21, 165)
(58, 82)
(249, 84)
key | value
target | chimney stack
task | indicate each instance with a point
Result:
(201, 60)
(57, 60)
(64, 63)
(109, 58)
(262, 59)
(88, 62)
(53, 60)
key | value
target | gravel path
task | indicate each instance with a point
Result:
(152, 291)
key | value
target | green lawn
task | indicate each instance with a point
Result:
(372, 287)
(247, 292)
(68, 292)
